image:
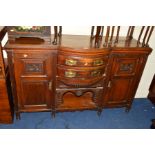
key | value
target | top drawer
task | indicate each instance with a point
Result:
(32, 55)
(82, 61)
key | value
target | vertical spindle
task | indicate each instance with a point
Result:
(55, 35)
(131, 33)
(102, 31)
(152, 28)
(97, 36)
(141, 32)
(117, 35)
(60, 31)
(107, 35)
(92, 31)
(112, 33)
(128, 33)
(147, 30)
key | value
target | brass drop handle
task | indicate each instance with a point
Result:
(98, 62)
(71, 62)
(50, 85)
(96, 73)
(70, 74)
(25, 55)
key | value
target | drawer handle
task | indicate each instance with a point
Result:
(98, 62)
(96, 73)
(71, 62)
(70, 74)
(25, 55)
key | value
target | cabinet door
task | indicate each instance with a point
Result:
(33, 74)
(123, 80)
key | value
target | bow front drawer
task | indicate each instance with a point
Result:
(82, 61)
(75, 72)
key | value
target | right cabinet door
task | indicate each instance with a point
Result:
(124, 77)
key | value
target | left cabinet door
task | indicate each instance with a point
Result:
(33, 76)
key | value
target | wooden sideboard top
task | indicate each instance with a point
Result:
(81, 42)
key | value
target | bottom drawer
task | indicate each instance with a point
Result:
(80, 82)
(81, 73)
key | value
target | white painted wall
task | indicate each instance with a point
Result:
(150, 66)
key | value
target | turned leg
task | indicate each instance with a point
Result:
(127, 109)
(97, 100)
(53, 114)
(99, 112)
(18, 116)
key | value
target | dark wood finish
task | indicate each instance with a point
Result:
(151, 95)
(124, 77)
(81, 72)
(76, 74)
(6, 109)
(33, 72)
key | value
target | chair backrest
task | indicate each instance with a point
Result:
(112, 34)
(145, 35)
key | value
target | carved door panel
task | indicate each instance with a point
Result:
(33, 76)
(123, 81)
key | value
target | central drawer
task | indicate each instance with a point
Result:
(86, 61)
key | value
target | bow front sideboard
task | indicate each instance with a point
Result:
(76, 72)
